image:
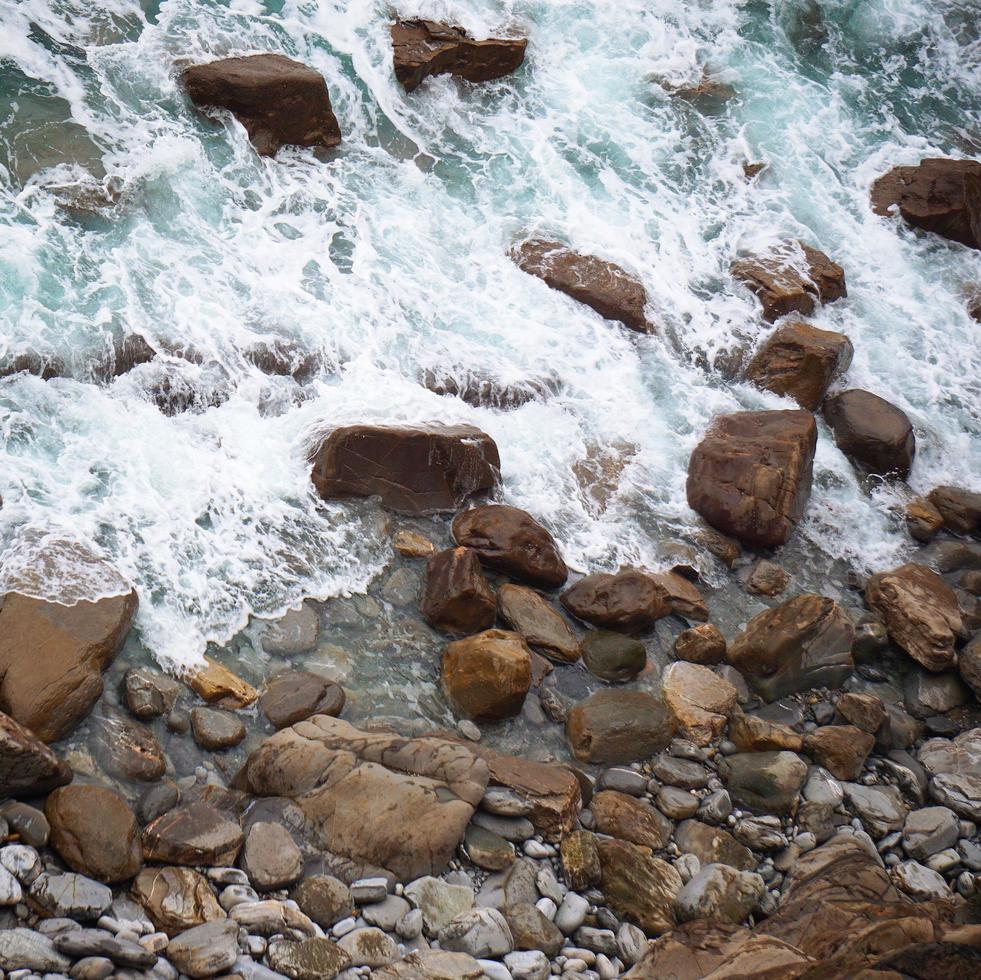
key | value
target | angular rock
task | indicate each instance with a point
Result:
(841, 749)
(699, 699)
(880, 808)
(148, 693)
(26, 949)
(580, 859)
(270, 857)
(197, 834)
(324, 899)
(316, 958)
(767, 578)
(619, 815)
(960, 509)
(216, 684)
(928, 831)
(421, 48)
(612, 727)
(926, 694)
(923, 520)
(720, 892)
(176, 899)
(127, 749)
(79, 943)
(612, 656)
(531, 930)
(486, 677)
(764, 782)
(71, 896)
(368, 947)
(865, 711)
(215, 729)
(27, 766)
(424, 469)
(703, 644)
(969, 665)
(873, 433)
(439, 901)
(602, 286)
(432, 964)
(488, 850)
(750, 476)
(750, 733)
(280, 102)
(628, 602)
(544, 629)
(297, 694)
(206, 950)
(638, 886)
(481, 933)
(456, 597)
(713, 845)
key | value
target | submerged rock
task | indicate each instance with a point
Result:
(456, 597)
(216, 684)
(487, 676)
(871, 432)
(613, 656)
(279, 101)
(297, 694)
(542, 627)
(27, 766)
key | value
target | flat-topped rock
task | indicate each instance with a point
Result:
(196, 834)
(873, 433)
(27, 766)
(297, 694)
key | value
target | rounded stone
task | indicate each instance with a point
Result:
(216, 729)
(324, 899)
(298, 694)
(270, 857)
(612, 656)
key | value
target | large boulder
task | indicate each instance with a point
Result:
(600, 285)
(511, 541)
(27, 766)
(960, 509)
(628, 601)
(377, 799)
(613, 726)
(800, 361)
(456, 597)
(425, 469)
(487, 676)
(920, 611)
(803, 643)
(791, 279)
(871, 432)
(937, 194)
(542, 627)
(279, 101)
(750, 476)
(421, 48)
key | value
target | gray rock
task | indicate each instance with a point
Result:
(148, 693)
(439, 901)
(27, 949)
(682, 773)
(514, 886)
(720, 892)
(480, 933)
(598, 940)
(92, 968)
(21, 861)
(631, 943)
(29, 823)
(529, 964)
(505, 802)
(216, 729)
(516, 829)
(367, 890)
(761, 833)
(270, 917)
(369, 947)
(678, 804)
(930, 830)
(71, 895)
(270, 857)
(920, 882)
(880, 808)
(623, 780)
(10, 890)
(386, 914)
(295, 632)
(927, 693)
(205, 951)
(97, 942)
(715, 807)
(822, 787)
(959, 791)
(572, 913)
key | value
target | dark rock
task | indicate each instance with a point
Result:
(280, 102)
(148, 693)
(764, 782)
(78, 943)
(487, 676)
(960, 509)
(456, 597)
(767, 578)
(485, 391)
(684, 597)
(621, 816)
(216, 729)
(638, 886)
(865, 711)
(128, 750)
(841, 749)
(27, 766)
(542, 627)
(628, 601)
(324, 899)
(176, 899)
(871, 432)
(703, 644)
(617, 726)
(414, 469)
(297, 694)
(750, 476)
(612, 656)
(195, 835)
(27, 822)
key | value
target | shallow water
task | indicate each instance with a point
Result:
(387, 262)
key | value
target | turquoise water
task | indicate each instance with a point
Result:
(387, 262)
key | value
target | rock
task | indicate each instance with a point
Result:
(316, 958)
(720, 892)
(803, 643)
(95, 832)
(631, 820)
(703, 644)
(781, 285)
(638, 886)
(572, 912)
(800, 361)
(511, 541)
(71, 895)
(612, 656)
(726, 549)
(215, 729)
(293, 633)
(928, 831)
(969, 665)
(422, 792)
(959, 791)
(487, 849)
(617, 726)
(700, 701)
(516, 885)
(25, 949)
(270, 858)
(712, 845)
(628, 602)
(841, 749)
(421, 48)
(528, 614)
(935, 195)
(324, 899)
(676, 803)
(880, 808)
(750, 476)
(767, 578)
(920, 611)
(148, 693)
(456, 597)
(526, 965)
(684, 598)
(580, 860)
(215, 683)
(960, 509)
(411, 544)
(764, 782)
(432, 964)
(923, 520)
(481, 933)
(926, 694)
(196, 834)
(920, 882)
(865, 711)
(439, 901)
(27, 766)
(297, 694)
(368, 947)
(176, 899)
(206, 950)
(531, 930)
(78, 943)
(388, 913)
(127, 749)
(270, 917)
(486, 677)
(280, 102)
(425, 469)
(52, 657)
(602, 286)
(871, 432)
(750, 733)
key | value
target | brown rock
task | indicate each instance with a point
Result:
(960, 509)
(726, 549)
(700, 700)
(216, 729)
(215, 683)
(411, 544)
(750, 733)
(602, 286)
(628, 601)
(619, 815)
(871, 432)
(421, 48)
(148, 693)
(580, 860)
(27, 766)
(297, 694)
(800, 361)
(270, 857)
(511, 541)
(935, 195)
(487, 676)
(750, 476)
(781, 285)
(923, 520)
(703, 644)
(841, 749)
(176, 899)
(192, 835)
(616, 726)
(456, 597)
(128, 750)
(324, 899)
(767, 578)
(280, 102)
(920, 611)
(426, 469)
(529, 614)
(865, 711)
(684, 597)
(95, 832)
(638, 886)
(713, 845)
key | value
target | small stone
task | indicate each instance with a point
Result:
(27, 822)
(10, 890)
(505, 802)
(637, 886)
(929, 830)
(411, 544)
(865, 711)
(71, 895)
(156, 800)
(95, 942)
(270, 857)
(215, 729)
(619, 726)
(767, 578)
(623, 780)
(631, 943)
(148, 693)
(527, 965)
(367, 890)
(298, 694)
(702, 644)
(386, 914)
(206, 950)
(631, 820)
(487, 849)
(677, 804)
(532, 930)
(216, 683)
(515, 829)
(765, 782)
(612, 656)
(21, 861)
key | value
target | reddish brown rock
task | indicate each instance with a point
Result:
(638, 886)
(752, 734)
(602, 286)
(750, 476)
(938, 195)
(871, 432)
(456, 597)
(703, 644)
(543, 627)
(27, 766)
(700, 700)
(192, 835)
(841, 749)
(511, 541)
(959, 508)
(279, 101)
(923, 520)
(424, 469)
(176, 899)
(791, 279)
(421, 48)
(621, 816)
(216, 684)
(487, 676)
(612, 727)
(767, 578)
(684, 597)
(800, 361)
(865, 711)
(627, 602)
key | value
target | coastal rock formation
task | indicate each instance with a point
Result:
(800, 361)
(421, 48)
(629, 601)
(456, 597)
(871, 432)
(938, 195)
(487, 676)
(424, 469)
(600, 285)
(27, 766)
(750, 476)
(280, 102)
